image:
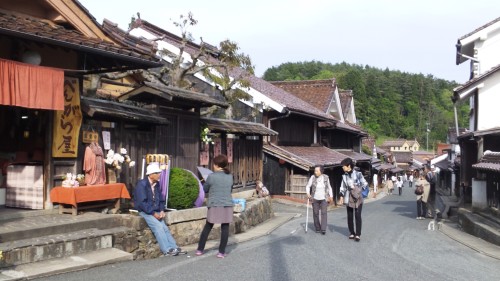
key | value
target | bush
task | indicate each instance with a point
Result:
(183, 189)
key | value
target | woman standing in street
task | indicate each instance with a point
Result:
(351, 187)
(320, 192)
(220, 204)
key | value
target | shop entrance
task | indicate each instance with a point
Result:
(22, 153)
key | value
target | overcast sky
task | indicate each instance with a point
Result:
(411, 36)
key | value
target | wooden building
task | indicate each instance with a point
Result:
(46, 54)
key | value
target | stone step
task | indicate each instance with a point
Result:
(480, 226)
(66, 264)
(48, 247)
(36, 226)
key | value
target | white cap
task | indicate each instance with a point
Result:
(153, 168)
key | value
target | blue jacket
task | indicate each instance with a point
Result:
(143, 198)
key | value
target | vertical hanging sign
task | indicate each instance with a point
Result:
(229, 146)
(217, 147)
(67, 122)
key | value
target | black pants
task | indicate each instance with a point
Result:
(351, 215)
(400, 190)
(224, 236)
(410, 183)
(421, 208)
(319, 205)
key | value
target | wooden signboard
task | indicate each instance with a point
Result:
(67, 122)
(89, 137)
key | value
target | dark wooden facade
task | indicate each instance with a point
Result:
(246, 166)
(339, 139)
(181, 138)
(294, 130)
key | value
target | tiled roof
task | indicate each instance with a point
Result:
(305, 157)
(155, 92)
(403, 157)
(459, 89)
(237, 127)
(318, 93)
(452, 134)
(274, 93)
(383, 166)
(45, 31)
(489, 162)
(345, 101)
(98, 107)
(141, 45)
(479, 29)
(444, 164)
(341, 126)
(360, 157)
(393, 143)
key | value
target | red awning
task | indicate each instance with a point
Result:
(31, 86)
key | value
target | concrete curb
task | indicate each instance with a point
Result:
(66, 264)
(476, 244)
(258, 231)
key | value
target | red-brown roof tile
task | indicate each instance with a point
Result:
(318, 93)
(276, 94)
(305, 157)
(45, 31)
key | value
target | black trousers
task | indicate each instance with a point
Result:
(224, 236)
(421, 208)
(319, 205)
(351, 215)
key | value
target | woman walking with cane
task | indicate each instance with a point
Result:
(319, 191)
(351, 187)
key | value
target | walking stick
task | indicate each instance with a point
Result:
(307, 213)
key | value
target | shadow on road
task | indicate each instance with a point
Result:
(404, 208)
(279, 270)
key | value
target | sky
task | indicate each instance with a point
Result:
(410, 36)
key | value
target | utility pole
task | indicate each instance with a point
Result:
(427, 136)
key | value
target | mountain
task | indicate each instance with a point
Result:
(388, 103)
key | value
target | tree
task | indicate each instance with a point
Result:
(225, 65)
(388, 102)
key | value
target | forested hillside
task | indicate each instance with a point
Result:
(388, 103)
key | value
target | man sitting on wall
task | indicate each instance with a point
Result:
(150, 204)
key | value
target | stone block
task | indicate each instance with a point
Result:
(193, 214)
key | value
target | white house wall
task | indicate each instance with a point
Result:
(489, 100)
(488, 51)
(257, 97)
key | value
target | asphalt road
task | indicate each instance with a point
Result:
(394, 246)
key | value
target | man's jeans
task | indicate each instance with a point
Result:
(161, 232)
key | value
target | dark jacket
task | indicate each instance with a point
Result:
(143, 198)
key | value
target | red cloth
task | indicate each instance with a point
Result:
(31, 86)
(74, 195)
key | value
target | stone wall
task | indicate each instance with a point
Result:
(186, 226)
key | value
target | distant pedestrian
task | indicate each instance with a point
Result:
(319, 191)
(218, 185)
(390, 186)
(420, 187)
(431, 201)
(375, 184)
(410, 180)
(151, 204)
(405, 178)
(351, 187)
(399, 184)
